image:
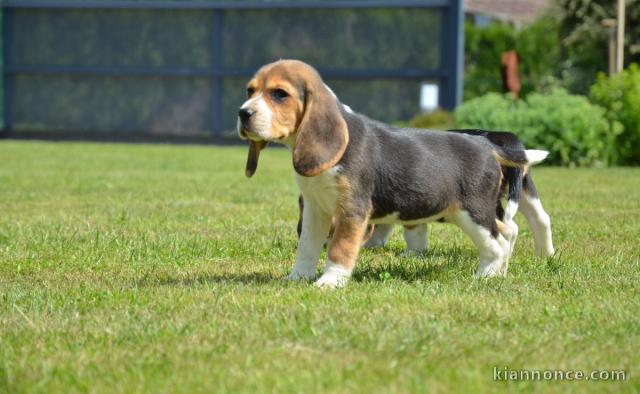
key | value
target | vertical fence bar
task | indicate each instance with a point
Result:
(216, 80)
(457, 31)
(445, 86)
(451, 54)
(7, 91)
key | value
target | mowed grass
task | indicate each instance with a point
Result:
(151, 268)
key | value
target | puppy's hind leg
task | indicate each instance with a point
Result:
(538, 219)
(493, 249)
(380, 236)
(510, 234)
(506, 225)
(416, 239)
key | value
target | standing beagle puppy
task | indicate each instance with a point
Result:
(521, 191)
(343, 172)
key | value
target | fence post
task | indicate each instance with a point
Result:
(7, 83)
(452, 55)
(216, 78)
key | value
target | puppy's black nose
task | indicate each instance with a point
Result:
(245, 113)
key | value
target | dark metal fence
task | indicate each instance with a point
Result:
(179, 67)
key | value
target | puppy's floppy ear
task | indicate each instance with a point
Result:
(322, 135)
(252, 158)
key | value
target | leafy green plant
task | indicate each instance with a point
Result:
(575, 131)
(620, 96)
(438, 119)
(537, 45)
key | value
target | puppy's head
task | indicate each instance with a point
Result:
(288, 102)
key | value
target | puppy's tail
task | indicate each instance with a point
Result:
(515, 163)
(535, 156)
(519, 158)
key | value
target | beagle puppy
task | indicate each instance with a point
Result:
(522, 193)
(342, 169)
(416, 239)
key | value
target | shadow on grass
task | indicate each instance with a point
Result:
(407, 272)
(199, 279)
(436, 264)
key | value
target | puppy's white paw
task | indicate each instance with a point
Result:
(297, 275)
(334, 276)
(545, 250)
(490, 271)
(412, 253)
(375, 243)
(504, 269)
(331, 281)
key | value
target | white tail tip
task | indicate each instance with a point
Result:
(535, 156)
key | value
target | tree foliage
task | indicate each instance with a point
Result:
(567, 47)
(620, 96)
(585, 39)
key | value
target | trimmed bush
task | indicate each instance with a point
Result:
(575, 131)
(620, 96)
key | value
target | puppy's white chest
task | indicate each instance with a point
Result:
(321, 189)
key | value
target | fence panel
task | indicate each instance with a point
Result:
(179, 68)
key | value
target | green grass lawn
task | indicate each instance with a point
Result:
(150, 268)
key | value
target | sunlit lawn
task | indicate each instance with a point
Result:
(151, 268)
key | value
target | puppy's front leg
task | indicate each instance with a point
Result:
(315, 227)
(343, 251)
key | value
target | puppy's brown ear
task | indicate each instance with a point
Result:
(322, 135)
(252, 158)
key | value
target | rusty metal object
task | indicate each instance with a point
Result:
(510, 77)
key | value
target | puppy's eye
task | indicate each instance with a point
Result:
(250, 92)
(279, 94)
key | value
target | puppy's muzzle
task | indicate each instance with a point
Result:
(244, 117)
(245, 114)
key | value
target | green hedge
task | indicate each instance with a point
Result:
(576, 132)
(620, 96)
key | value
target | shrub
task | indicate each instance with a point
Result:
(438, 119)
(620, 96)
(575, 131)
(537, 45)
(584, 39)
